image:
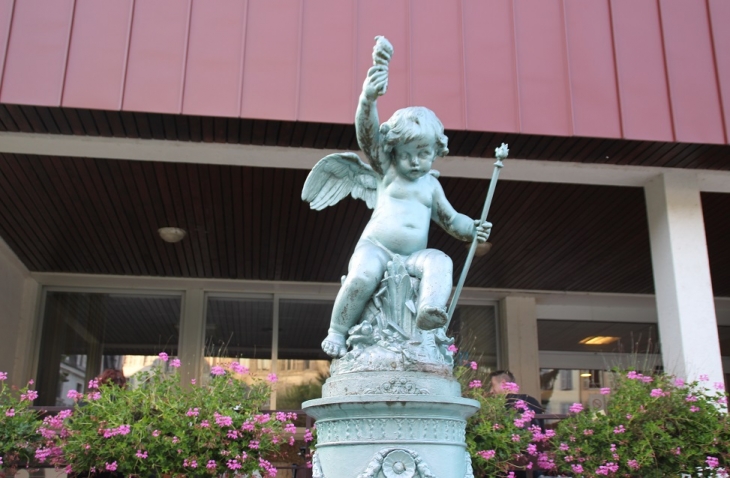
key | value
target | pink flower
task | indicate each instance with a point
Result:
(678, 382)
(564, 447)
(192, 381)
(704, 378)
(163, 356)
(452, 348)
(633, 375)
(272, 378)
(156, 433)
(694, 409)
(576, 408)
(678, 451)
(308, 435)
(712, 462)
(74, 395)
(233, 464)
(515, 437)
(41, 454)
(30, 395)
(192, 412)
(690, 398)
(223, 420)
(111, 466)
(142, 455)
(577, 468)
(633, 464)
(511, 387)
(531, 449)
(719, 386)
(619, 429)
(93, 384)
(217, 370)
(175, 363)
(3, 376)
(253, 444)
(211, 465)
(238, 368)
(475, 384)
(10, 413)
(204, 424)
(605, 391)
(656, 392)
(487, 454)
(93, 396)
(588, 432)
(647, 379)
(474, 365)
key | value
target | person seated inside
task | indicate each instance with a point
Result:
(503, 382)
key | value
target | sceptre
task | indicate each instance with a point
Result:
(499, 153)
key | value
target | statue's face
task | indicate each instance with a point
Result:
(414, 158)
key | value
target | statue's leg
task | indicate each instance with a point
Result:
(435, 270)
(364, 273)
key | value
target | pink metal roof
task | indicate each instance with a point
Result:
(605, 68)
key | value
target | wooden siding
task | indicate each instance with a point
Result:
(80, 121)
(98, 216)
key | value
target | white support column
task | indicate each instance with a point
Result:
(518, 342)
(192, 335)
(685, 305)
(274, 348)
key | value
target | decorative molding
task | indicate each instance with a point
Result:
(395, 386)
(402, 429)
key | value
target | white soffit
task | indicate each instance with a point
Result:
(305, 158)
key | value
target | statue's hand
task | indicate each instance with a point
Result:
(376, 82)
(483, 230)
(382, 51)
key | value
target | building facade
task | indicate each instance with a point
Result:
(122, 117)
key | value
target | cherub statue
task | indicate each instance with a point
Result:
(406, 196)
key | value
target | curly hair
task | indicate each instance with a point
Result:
(410, 123)
(112, 376)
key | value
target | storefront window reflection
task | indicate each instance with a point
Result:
(85, 333)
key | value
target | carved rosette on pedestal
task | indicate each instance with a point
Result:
(391, 408)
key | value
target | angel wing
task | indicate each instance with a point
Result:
(337, 175)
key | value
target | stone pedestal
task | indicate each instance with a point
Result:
(391, 425)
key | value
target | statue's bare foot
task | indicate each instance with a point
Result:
(430, 317)
(334, 345)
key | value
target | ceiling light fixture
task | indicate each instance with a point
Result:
(598, 340)
(172, 234)
(585, 374)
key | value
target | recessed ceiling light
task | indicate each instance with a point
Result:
(598, 340)
(172, 234)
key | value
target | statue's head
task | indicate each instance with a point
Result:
(413, 123)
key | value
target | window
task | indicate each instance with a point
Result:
(566, 380)
(474, 328)
(84, 333)
(240, 329)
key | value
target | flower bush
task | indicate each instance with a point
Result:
(162, 428)
(19, 437)
(654, 426)
(501, 436)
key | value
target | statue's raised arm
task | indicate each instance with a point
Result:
(366, 118)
